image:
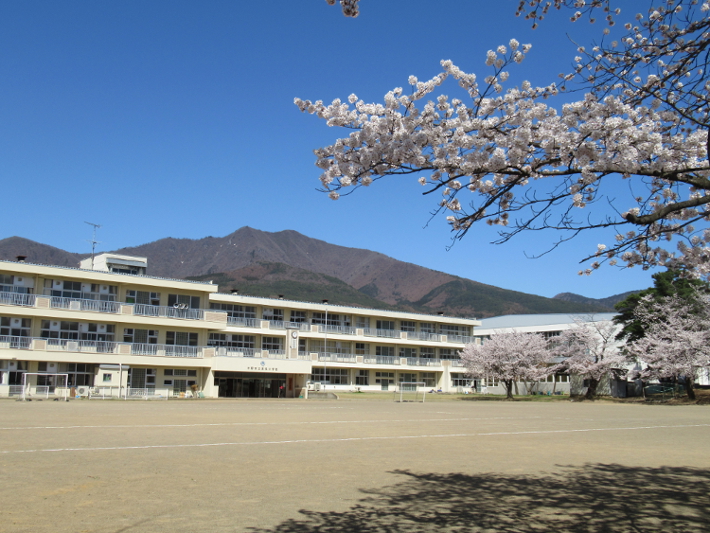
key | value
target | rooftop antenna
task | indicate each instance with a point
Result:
(93, 242)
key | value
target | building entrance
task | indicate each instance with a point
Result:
(249, 384)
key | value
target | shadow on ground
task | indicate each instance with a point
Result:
(591, 499)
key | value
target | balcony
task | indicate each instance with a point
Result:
(423, 361)
(17, 298)
(338, 330)
(281, 324)
(169, 312)
(387, 333)
(381, 360)
(337, 357)
(77, 304)
(15, 342)
(107, 347)
(423, 336)
(462, 339)
(243, 321)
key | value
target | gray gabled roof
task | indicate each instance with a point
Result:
(522, 321)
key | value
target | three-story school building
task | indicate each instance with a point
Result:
(110, 330)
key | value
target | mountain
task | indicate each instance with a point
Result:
(298, 267)
(607, 302)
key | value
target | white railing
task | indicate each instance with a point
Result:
(386, 360)
(389, 333)
(242, 321)
(463, 339)
(222, 351)
(302, 356)
(423, 336)
(17, 298)
(167, 350)
(168, 312)
(71, 345)
(273, 354)
(16, 342)
(456, 362)
(337, 357)
(133, 393)
(75, 304)
(338, 330)
(422, 361)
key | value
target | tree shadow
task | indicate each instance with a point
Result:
(589, 499)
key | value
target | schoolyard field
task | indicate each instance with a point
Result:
(92, 466)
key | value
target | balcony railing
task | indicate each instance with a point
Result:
(242, 321)
(168, 312)
(167, 350)
(76, 304)
(223, 351)
(388, 333)
(281, 324)
(423, 336)
(423, 361)
(463, 339)
(17, 298)
(16, 342)
(337, 357)
(381, 360)
(338, 330)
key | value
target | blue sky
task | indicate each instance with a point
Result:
(176, 119)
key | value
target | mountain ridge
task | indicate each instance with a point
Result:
(311, 267)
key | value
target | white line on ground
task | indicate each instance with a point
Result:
(349, 439)
(217, 424)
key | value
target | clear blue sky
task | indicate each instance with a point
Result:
(176, 119)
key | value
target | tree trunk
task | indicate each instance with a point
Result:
(689, 390)
(509, 389)
(592, 389)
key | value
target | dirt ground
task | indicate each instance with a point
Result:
(350, 465)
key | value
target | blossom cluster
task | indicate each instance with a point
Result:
(530, 165)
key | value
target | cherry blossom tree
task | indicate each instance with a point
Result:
(508, 357)
(642, 119)
(350, 7)
(677, 340)
(589, 350)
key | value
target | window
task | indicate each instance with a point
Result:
(333, 319)
(459, 379)
(16, 327)
(193, 302)
(562, 378)
(447, 353)
(231, 341)
(107, 378)
(142, 297)
(271, 343)
(408, 326)
(361, 348)
(427, 352)
(80, 374)
(299, 317)
(181, 338)
(52, 329)
(407, 352)
(271, 314)
(362, 377)
(384, 350)
(453, 329)
(427, 327)
(334, 376)
(384, 377)
(141, 378)
(362, 322)
(385, 324)
(140, 336)
(407, 377)
(235, 311)
(302, 346)
(429, 378)
(42, 366)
